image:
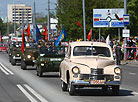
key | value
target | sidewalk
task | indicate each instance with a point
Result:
(132, 62)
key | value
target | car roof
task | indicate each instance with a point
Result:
(88, 43)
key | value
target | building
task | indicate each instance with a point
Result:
(16, 12)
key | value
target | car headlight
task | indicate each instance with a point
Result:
(29, 56)
(117, 70)
(18, 55)
(42, 64)
(75, 70)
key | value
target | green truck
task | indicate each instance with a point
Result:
(14, 52)
(49, 59)
(29, 55)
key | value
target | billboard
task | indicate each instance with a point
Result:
(108, 17)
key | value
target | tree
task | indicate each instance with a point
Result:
(133, 12)
(70, 11)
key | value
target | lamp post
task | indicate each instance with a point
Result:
(125, 39)
(84, 22)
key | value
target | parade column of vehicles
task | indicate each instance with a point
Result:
(85, 64)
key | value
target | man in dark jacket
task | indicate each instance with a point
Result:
(118, 54)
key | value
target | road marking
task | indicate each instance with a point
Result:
(132, 73)
(6, 69)
(135, 93)
(26, 93)
(35, 94)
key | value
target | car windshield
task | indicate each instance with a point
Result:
(91, 51)
(30, 45)
(3, 45)
(52, 50)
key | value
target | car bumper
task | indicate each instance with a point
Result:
(87, 83)
(17, 58)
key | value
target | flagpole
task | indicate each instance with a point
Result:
(91, 34)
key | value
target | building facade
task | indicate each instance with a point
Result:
(19, 12)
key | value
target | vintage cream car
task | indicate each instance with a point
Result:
(89, 64)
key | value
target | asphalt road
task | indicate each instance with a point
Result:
(17, 85)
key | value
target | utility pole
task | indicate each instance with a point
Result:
(15, 19)
(23, 21)
(27, 18)
(7, 27)
(125, 39)
(48, 19)
(34, 21)
(84, 21)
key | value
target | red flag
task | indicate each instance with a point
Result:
(89, 34)
(22, 47)
(0, 38)
(45, 32)
(28, 31)
(78, 23)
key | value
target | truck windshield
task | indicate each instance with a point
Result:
(91, 51)
(52, 50)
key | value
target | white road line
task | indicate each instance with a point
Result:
(26, 94)
(132, 73)
(4, 71)
(135, 93)
(35, 94)
(7, 69)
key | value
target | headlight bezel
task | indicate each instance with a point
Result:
(117, 70)
(75, 70)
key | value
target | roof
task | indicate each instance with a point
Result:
(88, 43)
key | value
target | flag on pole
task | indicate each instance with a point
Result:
(37, 34)
(23, 40)
(89, 34)
(61, 37)
(28, 31)
(45, 32)
(108, 40)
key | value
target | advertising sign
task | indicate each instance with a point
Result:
(108, 17)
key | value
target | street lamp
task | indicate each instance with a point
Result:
(84, 22)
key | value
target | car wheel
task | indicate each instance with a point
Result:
(23, 65)
(13, 62)
(40, 73)
(71, 88)
(115, 89)
(63, 86)
(9, 59)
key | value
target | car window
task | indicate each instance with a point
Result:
(91, 51)
(52, 50)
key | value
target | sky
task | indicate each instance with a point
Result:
(41, 5)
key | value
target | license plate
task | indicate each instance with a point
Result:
(55, 59)
(97, 81)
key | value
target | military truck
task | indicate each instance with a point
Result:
(14, 52)
(29, 55)
(49, 59)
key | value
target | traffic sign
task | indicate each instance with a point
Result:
(126, 33)
(108, 17)
(126, 19)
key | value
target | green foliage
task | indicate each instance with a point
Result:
(70, 11)
(2, 27)
(133, 12)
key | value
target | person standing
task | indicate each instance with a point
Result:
(118, 54)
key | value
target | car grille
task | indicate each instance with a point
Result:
(96, 71)
(97, 74)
